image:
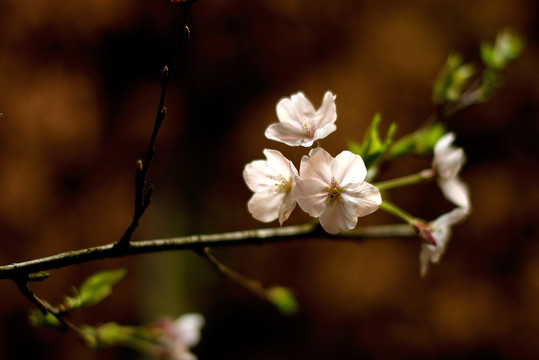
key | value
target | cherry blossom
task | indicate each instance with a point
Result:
(334, 189)
(300, 124)
(448, 161)
(181, 334)
(273, 183)
(440, 231)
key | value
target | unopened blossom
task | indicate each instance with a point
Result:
(448, 161)
(334, 189)
(300, 124)
(273, 182)
(179, 335)
(439, 231)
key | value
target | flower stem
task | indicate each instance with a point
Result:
(406, 180)
(398, 212)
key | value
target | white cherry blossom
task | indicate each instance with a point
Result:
(334, 189)
(448, 161)
(273, 182)
(440, 231)
(300, 124)
(180, 335)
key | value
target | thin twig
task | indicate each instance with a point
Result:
(142, 191)
(254, 287)
(197, 242)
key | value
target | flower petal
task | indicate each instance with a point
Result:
(302, 104)
(288, 134)
(311, 196)
(456, 191)
(428, 254)
(362, 202)
(451, 218)
(335, 218)
(279, 164)
(259, 176)
(327, 112)
(441, 232)
(322, 132)
(444, 142)
(348, 169)
(188, 328)
(287, 206)
(265, 206)
(291, 110)
(316, 166)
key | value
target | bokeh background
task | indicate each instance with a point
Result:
(79, 88)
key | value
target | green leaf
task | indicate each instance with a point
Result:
(420, 142)
(452, 79)
(37, 318)
(145, 339)
(373, 148)
(283, 298)
(94, 289)
(507, 47)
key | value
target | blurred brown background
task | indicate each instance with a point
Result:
(80, 83)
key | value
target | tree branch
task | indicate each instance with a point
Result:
(198, 242)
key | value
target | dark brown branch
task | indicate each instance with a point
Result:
(198, 242)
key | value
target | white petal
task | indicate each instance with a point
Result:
(322, 132)
(302, 104)
(450, 163)
(442, 229)
(287, 206)
(444, 142)
(327, 112)
(427, 253)
(455, 191)
(259, 176)
(291, 110)
(451, 218)
(316, 166)
(448, 159)
(311, 196)
(188, 328)
(287, 133)
(281, 165)
(348, 169)
(265, 206)
(335, 219)
(362, 202)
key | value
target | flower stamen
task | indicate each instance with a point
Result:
(334, 190)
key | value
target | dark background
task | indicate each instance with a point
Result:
(79, 88)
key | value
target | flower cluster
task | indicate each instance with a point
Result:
(447, 163)
(332, 189)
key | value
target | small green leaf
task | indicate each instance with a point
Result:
(452, 79)
(37, 318)
(420, 142)
(140, 338)
(283, 298)
(94, 289)
(373, 148)
(507, 47)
